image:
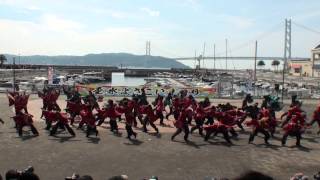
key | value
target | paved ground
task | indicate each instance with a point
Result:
(57, 157)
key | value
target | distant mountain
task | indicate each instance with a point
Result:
(105, 59)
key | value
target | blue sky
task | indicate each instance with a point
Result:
(176, 28)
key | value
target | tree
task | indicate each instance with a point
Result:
(275, 63)
(261, 64)
(3, 58)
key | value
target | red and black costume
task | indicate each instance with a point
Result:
(62, 122)
(259, 125)
(137, 111)
(316, 118)
(176, 107)
(182, 125)
(149, 118)
(110, 111)
(74, 106)
(199, 117)
(127, 109)
(270, 119)
(218, 127)
(294, 127)
(87, 118)
(23, 119)
(159, 108)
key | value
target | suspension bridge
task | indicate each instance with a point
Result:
(226, 55)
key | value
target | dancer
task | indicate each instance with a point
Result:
(199, 118)
(182, 125)
(62, 122)
(293, 127)
(150, 118)
(259, 125)
(22, 120)
(316, 118)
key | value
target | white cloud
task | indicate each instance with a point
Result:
(237, 21)
(55, 23)
(150, 12)
(54, 36)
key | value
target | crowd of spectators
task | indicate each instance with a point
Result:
(29, 174)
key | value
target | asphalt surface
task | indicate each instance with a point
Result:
(57, 157)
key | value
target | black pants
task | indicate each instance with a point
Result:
(113, 125)
(146, 121)
(130, 131)
(33, 129)
(179, 130)
(160, 116)
(100, 120)
(170, 112)
(259, 130)
(209, 121)
(92, 129)
(176, 114)
(49, 124)
(136, 114)
(239, 123)
(59, 124)
(199, 126)
(297, 134)
(224, 132)
(233, 132)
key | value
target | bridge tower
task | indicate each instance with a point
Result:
(287, 52)
(287, 42)
(148, 48)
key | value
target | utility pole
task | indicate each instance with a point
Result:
(214, 56)
(14, 75)
(226, 54)
(203, 53)
(255, 61)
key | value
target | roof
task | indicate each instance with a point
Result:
(300, 60)
(318, 47)
(295, 66)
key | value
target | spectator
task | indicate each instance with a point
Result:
(29, 176)
(299, 176)
(121, 177)
(85, 177)
(253, 175)
(12, 175)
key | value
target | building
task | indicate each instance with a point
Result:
(306, 68)
(300, 67)
(315, 59)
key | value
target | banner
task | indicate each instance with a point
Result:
(50, 75)
(150, 91)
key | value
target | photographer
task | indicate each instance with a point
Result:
(27, 174)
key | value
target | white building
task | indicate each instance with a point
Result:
(315, 59)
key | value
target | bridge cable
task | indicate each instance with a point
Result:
(259, 37)
(306, 28)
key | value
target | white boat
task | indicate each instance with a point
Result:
(92, 77)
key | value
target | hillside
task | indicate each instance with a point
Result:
(105, 59)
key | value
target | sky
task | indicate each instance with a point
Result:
(176, 28)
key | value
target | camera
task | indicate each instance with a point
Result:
(17, 174)
(73, 177)
(317, 176)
